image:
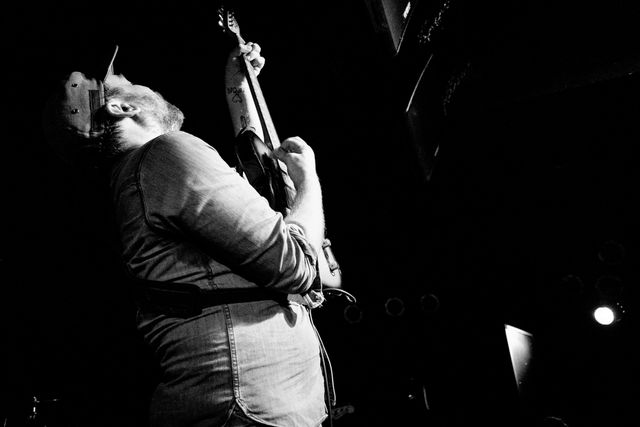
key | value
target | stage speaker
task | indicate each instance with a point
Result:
(423, 124)
(391, 17)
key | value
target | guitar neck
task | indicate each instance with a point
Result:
(271, 137)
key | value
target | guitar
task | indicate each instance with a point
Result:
(271, 174)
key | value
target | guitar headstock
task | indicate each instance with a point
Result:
(227, 20)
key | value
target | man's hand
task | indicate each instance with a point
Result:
(306, 210)
(252, 52)
(299, 158)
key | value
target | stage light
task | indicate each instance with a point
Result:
(352, 314)
(609, 287)
(609, 290)
(608, 314)
(604, 315)
(612, 253)
(571, 285)
(429, 303)
(394, 307)
(520, 343)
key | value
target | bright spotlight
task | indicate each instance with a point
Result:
(604, 315)
(608, 314)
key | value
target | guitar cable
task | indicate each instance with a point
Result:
(327, 371)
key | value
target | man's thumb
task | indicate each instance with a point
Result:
(279, 153)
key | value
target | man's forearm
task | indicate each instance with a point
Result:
(306, 208)
(242, 108)
(307, 211)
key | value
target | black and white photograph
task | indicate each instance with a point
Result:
(235, 213)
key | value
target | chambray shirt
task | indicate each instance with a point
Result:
(185, 216)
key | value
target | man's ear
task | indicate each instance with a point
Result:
(118, 108)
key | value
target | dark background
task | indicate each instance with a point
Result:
(530, 202)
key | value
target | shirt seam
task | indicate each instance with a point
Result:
(232, 352)
(145, 215)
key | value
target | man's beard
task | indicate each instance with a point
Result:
(156, 111)
(168, 116)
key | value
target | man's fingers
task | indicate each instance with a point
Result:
(252, 50)
(294, 144)
(252, 53)
(284, 155)
(279, 153)
(258, 64)
(255, 46)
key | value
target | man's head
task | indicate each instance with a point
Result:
(144, 106)
(89, 120)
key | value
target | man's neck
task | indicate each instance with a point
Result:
(134, 135)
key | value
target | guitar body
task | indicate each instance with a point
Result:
(267, 175)
(261, 170)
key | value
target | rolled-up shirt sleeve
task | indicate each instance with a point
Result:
(188, 190)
